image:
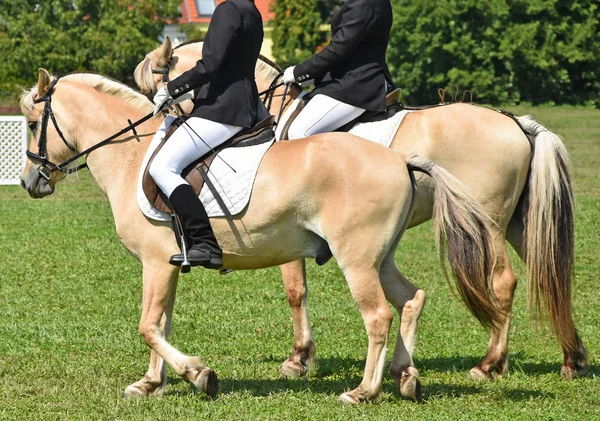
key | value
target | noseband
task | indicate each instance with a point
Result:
(47, 167)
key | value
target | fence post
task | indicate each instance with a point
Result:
(13, 144)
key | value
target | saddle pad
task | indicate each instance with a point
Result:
(381, 132)
(234, 188)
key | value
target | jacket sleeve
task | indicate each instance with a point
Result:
(224, 26)
(346, 38)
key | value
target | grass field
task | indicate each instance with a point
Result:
(70, 299)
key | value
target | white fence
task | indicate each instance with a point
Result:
(13, 144)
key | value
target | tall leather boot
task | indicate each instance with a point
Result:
(204, 249)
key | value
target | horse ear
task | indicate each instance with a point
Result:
(44, 81)
(164, 53)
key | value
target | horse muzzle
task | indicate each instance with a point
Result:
(36, 185)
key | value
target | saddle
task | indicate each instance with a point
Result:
(391, 107)
(193, 173)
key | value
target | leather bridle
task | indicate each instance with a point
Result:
(47, 167)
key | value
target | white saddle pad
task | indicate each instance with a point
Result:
(381, 132)
(234, 188)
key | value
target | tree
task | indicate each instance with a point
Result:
(104, 36)
(296, 30)
(504, 51)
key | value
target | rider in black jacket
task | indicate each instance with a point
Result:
(226, 102)
(350, 73)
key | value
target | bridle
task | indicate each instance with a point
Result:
(47, 167)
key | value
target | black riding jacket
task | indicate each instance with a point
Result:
(225, 74)
(352, 67)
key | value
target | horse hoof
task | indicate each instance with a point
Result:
(208, 382)
(410, 385)
(347, 398)
(477, 373)
(291, 368)
(133, 391)
(358, 396)
(570, 373)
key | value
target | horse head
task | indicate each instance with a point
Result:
(150, 73)
(39, 177)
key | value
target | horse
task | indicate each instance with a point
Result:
(308, 194)
(518, 171)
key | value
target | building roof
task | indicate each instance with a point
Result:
(200, 11)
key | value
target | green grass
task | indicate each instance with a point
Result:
(70, 299)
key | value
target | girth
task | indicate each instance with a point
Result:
(193, 173)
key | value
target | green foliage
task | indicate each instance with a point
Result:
(194, 31)
(297, 31)
(105, 36)
(504, 51)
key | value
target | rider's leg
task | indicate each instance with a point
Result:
(322, 114)
(182, 148)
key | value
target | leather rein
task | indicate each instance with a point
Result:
(47, 167)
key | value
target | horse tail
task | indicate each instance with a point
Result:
(463, 228)
(548, 237)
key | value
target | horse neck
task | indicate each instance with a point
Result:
(114, 166)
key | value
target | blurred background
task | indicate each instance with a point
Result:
(505, 51)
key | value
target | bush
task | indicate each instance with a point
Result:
(505, 51)
(296, 30)
(105, 36)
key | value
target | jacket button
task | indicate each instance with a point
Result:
(187, 86)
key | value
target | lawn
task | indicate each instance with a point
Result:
(70, 299)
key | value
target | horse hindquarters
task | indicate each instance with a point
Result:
(362, 225)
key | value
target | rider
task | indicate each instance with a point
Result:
(226, 104)
(350, 73)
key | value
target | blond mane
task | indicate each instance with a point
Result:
(101, 84)
(265, 68)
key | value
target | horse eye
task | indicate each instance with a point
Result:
(33, 125)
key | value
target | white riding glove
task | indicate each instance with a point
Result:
(288, 75)
(161, 98)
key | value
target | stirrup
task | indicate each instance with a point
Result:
(213, 262)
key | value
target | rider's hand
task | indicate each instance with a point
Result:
(161, 98)
(288, 75)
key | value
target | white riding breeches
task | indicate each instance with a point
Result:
(184, 147)
(322, 114)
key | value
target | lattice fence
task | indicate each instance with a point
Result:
(13, 143)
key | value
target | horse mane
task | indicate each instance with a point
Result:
(100, 83)
(143, 71)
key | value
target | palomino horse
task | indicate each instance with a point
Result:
(518, 174)
(308, 194)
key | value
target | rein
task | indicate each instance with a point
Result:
(47, 167)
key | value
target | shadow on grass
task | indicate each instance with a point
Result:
(517, 362)
(348, 374)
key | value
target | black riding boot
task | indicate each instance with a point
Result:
(204, 249)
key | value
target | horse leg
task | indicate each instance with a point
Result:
(409, 301)
(160, 283)
(155, 379)
(366, 290)
(303, 353)
(504, 284)
(575, 361)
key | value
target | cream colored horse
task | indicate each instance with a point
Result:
(523, 184)
(308, 194)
